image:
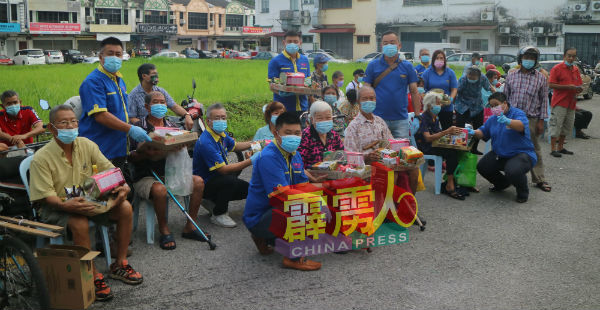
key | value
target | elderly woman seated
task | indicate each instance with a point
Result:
(319, 137)
(271, 111)
(430, 130)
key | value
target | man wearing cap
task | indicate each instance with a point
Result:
(318, 77)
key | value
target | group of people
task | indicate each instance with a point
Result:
(113, 131)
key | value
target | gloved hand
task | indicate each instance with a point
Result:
(254, 157)
(502, 119)
(285, 94)
(471, 131)
(138, 134)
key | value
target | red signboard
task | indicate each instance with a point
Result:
(54, 28)
(257, 30)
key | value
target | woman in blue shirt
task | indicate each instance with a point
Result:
(272, 110)
(442, 77)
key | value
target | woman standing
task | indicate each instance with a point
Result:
(441, 77)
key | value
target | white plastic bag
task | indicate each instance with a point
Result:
(178, 173)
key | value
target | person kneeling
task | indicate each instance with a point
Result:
(277, 165)
(74, 157)
(429, 131)
(148, 159)
(512, 149)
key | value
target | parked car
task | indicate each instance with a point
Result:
(332, 59)
(371, 56)
(54, 57)
(190, 53)
(498, 59)
(459, 59)
(238, 55)
(587, 92)
(29, 57)
(326, 51)
(264, 55)
(551, 56)
(73, 56)
(126, 56)
(168, 54)
(91, 60)
(5, 60)
(143, 52)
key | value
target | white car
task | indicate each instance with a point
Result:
(460, 59)
(125, 56)
(54, 57)
(29, 57)
(91, 60)
(332, 59)
(169, 54)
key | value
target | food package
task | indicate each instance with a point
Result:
(355, 159)
(396, 145)
(460, 141)
(325, 165)
(390, 161)
(295, 79)
(411, 154)
(255, 147)
(99, 185)
(168, 139)
(387, 153)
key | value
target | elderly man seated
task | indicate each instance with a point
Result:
(18, 124)
(148, 159)
(366, 129)
(67, 161)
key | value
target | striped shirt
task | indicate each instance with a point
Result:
(528, 92)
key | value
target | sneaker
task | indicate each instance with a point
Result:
(301, 264)
(103, 292)
(223, 220)
(556, 154)
(125, 273)
(581, 135)
(564, 151)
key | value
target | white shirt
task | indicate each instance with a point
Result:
(352, 85)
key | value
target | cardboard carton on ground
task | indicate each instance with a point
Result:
(69, 275)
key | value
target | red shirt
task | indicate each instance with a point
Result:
(564, 75)
(20, 125)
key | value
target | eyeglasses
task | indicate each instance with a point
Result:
(73, 123)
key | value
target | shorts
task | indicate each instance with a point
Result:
(143, 187)
(50, 215)
(561, 121)
(399, 128)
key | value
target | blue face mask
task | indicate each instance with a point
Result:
(274, 119)
(569, 64)
(330, 99)
(219, 125)
(13, 109)
(494, 82)
(67, 136)
(324, 127)
(325, 67)
(112, 64)
(361, 79)
(425, 59)
(292, 48)
(368, 106)
(390, 50)
(528, 63)
(290, 143)
(477, 63)
(472, 81)
(421, 90)
(158, 110)
(436, 109)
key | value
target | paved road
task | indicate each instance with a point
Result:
(487, 252)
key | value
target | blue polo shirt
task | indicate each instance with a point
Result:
(391, 92)
(420, 69)
(283, 63)
(506, 142)
(272, 169)
(446, 81)
(210, 153)
(103, 92)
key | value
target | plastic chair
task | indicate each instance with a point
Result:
(40, 241)
(413, 127)
(138, 203)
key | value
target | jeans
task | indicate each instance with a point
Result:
(261, 229)
(222, 189)
(399, 128)
(515, 171)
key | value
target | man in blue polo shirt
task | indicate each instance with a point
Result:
(277, 165)
(104, 104)
(425, 58)
(290, 60)
(512, 149)
(391, 77)
(210, 162)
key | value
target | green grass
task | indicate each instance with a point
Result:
(239, 84)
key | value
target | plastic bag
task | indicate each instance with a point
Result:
(466, 171)
(178, 173)
(420, 184)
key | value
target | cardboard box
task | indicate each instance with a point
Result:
(69, 275)
(169, 139)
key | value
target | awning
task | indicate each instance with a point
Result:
(472, 27)
(333, 30)
(276, 34)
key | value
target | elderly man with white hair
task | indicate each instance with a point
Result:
(319, 137)
(430, 130)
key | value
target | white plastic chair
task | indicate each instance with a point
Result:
(148, 205)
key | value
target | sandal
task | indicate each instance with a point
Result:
(195, 235)
(164, 239)
(454, 194)
(544, 186)
(521, 200)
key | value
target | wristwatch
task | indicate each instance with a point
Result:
(187, 114)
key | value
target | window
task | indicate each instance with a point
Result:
(264, 6)
(363, 39)
(307, 39)
(52, 17)
(477, 44)
(295, 5)
(234, 20)
(546, 41)
(197, 20)
(14, 12)
(137, 14)
(74, 17)
(220, 24)
(126, 17)
(155, 17)
(509, 41)
(336, 4)
(308, 1)
(455, 40)
(422, 2)
(87, 12)
(112, 16)
(180, 15)
(3, 13)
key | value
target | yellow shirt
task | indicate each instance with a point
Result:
(51, 172)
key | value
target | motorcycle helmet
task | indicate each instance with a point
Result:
(531, 50)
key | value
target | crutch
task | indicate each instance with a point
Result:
(211, 244)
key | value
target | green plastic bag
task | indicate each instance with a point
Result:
(466, 171)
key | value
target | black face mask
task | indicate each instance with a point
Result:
(154, 79)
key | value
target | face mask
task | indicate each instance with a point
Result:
(13, 109)
(325, 67)
(290, 143)
(425, 59)
(497, 110)
(439, 64)
(158, 110)
(436, 109)
(340, 83)
(528, 63)
(112, 64)
(568, 63)
(477, 63)
(360, 79)
(219, 125)
(472, 81)
(67, 136)
(292, 48)
(421, 90)
(154, 79)
(390, 50)
(274, 119)
(368, 106)
(324, 127)
(330, 99)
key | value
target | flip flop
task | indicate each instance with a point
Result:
(164, 239)
(195, 235)
(544, 186)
